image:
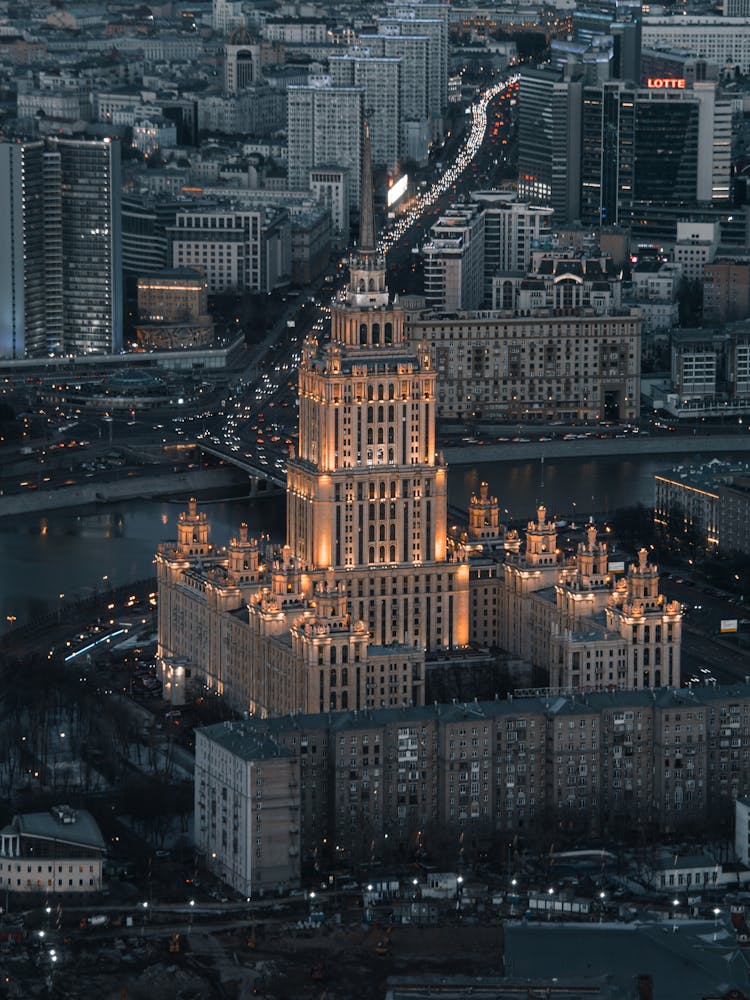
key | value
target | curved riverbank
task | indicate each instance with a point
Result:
(130, 488)
(631, 444)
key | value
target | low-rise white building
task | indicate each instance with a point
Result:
(57, 851)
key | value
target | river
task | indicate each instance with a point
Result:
(72, 551)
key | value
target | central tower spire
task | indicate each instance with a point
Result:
(367, 287)
(367, 200)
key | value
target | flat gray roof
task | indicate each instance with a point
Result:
(684, 963)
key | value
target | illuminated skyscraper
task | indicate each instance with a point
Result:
(367, 493)
(60, 263)
(342, 616)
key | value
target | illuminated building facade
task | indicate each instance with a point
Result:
(343, 615)
(577, 621)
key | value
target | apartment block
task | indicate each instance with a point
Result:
(247, 809)
(325, 128)
(60, 267)
(370, 785)
(548, 365)
(726, 291)
(453, 257)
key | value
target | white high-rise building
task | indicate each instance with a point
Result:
(431, 22)
(324, 127)
(22, 299)
(380, 80)
(454, 261)
(226, 15)
(330, 185)
(413, 54)
(511, 228)
(431, 19)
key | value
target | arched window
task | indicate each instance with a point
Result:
(370, 414)
(392, 533)
(381, 512)
(393, 553)
(344, 700)
(371, 554)
(344, 659)
(393, 487)
(344, 677)
(381, 489)
(380, 414)
(391, 436)
(371, 285)
(391, 390)
(369, 435)
(376, 333)
(380, 391)
(380, 435)
(333, 660)
(369, 392)
(381, 533)
(507, 302)
(389, 333)
(391, 414)
(371, 533)
(382, 553)
(333, 678)
(362, 334)
(372, 491)
(333, 701)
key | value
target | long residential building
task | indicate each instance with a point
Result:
(358, 786)
(723, 40)
(551, 364)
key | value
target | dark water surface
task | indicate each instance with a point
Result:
(70, 551)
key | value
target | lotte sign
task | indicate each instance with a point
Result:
(665, 83)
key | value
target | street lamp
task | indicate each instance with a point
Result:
(717, 911)
(675, 904)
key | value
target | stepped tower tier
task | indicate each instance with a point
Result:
(367, 494)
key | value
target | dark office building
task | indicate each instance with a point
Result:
(649, 155)
(607, 153)
(549, 141)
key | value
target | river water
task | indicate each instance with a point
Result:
(71, 551)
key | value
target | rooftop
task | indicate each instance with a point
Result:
(62, 824)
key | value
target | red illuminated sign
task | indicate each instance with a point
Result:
(665, 83)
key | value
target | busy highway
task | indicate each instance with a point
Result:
(257, 421)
